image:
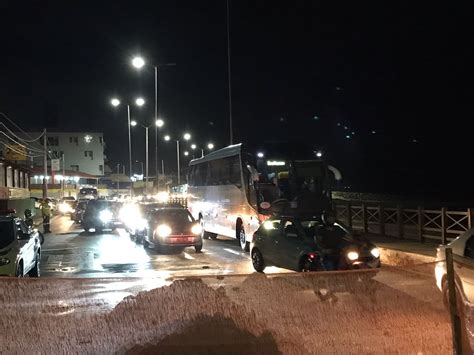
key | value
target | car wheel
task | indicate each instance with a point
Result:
(35, 272)
(158, 248)
(204, 234)
(198, 247)
(306, 264)
(244, 244)
(257, 260)
(19, 271)
(213, 236)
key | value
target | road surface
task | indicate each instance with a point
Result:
(71, 252)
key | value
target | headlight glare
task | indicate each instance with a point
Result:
(105, 216)
(163, 230)
(375, 252)
(352, 255)
(197, 229)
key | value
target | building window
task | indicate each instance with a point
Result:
(75, 167)
(100, 140)
(2, 175)
(53, 141)
(101, 169)
(16, 178)
(74, 140)
(89, 153)
(9, 177)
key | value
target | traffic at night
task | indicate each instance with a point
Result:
(227, 177)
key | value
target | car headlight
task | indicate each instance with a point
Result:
(105, 216)
(64, 208)
(197, 229)
(163, 230)
(4, 261)
(352, 255)
(375, 252)
(162, 196)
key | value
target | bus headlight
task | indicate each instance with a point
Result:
(352, 255)
(375, 252)
(197, 229)
(163, 230)
(105, 216)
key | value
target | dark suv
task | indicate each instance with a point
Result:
(100, 215)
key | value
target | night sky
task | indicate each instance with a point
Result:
(301, 70)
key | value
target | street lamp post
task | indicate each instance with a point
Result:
(187, 137)
(139, 62)
(139, 102)
(147, 161)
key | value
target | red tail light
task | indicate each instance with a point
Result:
(254, 237)
(313, 255)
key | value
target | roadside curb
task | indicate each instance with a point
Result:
(396, 257)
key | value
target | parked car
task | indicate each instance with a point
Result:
(100, 215)
(20, 247)
(172, 227)
(298, 244)
(463, 259)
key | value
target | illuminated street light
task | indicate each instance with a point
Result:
(187, 136)
(159, 122)
(186, 153)
(115, 102)
(167, 138)
(260, 155)
(140, 101)
(133, 123)
(138, 62)
(210, 146)
(193, 146)
(319, 154)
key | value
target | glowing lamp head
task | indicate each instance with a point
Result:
(210, 146)
(115, 102)
(159, 122)
(186, 153)
(193, 146)
(133, 123)
(140, 101)
(187, 136)
(319, 154)
(260, 155)
(167, 138)
(138, 62)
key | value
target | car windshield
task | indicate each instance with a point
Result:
(173, 215)
(7, 235)
(311, 228)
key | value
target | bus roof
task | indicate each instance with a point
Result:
(229, 151)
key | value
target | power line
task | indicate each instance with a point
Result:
(22, 145)
(13, 123)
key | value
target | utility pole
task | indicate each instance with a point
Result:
(45, 163)
(156, 127)
(64, 176)
(146, 157)
(177, 159)
(229, 74)
(162, 166)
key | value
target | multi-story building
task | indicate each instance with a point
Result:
(83, 151)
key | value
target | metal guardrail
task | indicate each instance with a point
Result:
(418, 224)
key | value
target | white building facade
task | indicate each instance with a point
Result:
(83, 151)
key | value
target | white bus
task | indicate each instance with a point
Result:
(231, 190)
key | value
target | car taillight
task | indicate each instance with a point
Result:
(254, 237)
(313, 255)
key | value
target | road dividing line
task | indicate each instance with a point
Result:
(187, 256)
(232, 251)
